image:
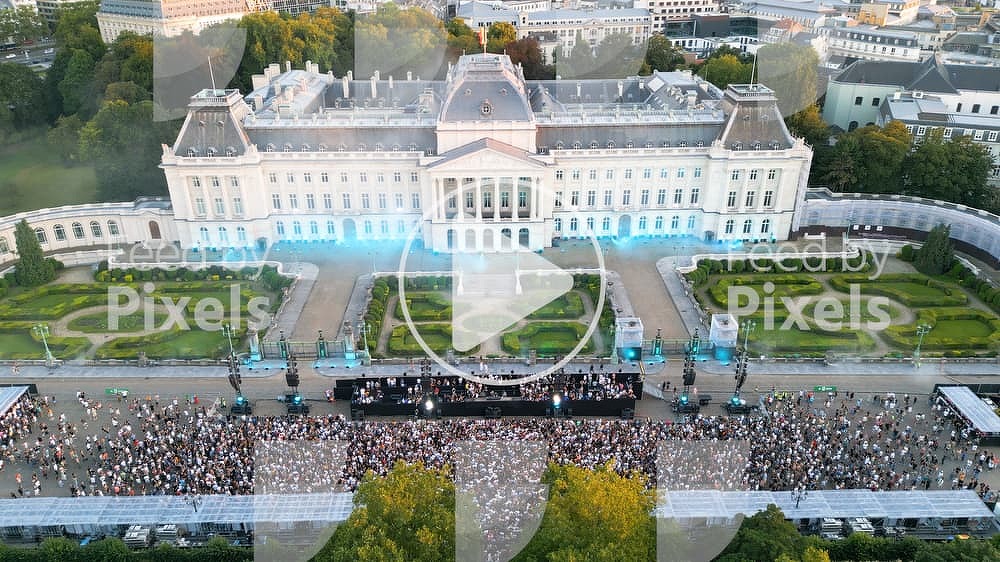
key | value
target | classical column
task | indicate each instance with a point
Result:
(496, 199)
(515, 197)
(536, 198)
(439, 203)
(460, 199)
(479, 199)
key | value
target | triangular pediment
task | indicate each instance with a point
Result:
(485, 154)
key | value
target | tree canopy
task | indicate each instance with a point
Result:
(951, 170)
(937, 253)
(725, 70)
(662, 54)
(32, 268)
(23, 102)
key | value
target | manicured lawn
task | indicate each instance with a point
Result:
(98, 322)
(568, 306)
(813, 343)
(424, 306)
(912, 289)
(959, 329)
(187, 344)
(546, 338)
(32, 176)
(20, 345)
(955, 330)
(787, 285)
(436, 336)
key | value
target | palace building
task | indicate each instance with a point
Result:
(483, 160)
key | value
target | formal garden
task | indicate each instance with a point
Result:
(953, 313)
(94, 320)
(553, 329)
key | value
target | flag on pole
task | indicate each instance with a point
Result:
(482, 38)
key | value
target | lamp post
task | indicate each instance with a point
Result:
(799, 494)
(227, 330)
(42, 330)
(364, 328)
(921, 332)
(747, 326)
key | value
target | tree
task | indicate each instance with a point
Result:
(594, 515)
(662, 55)
(937, 254)
(764, 536)
(617, 57)
(461, 39)
(124, 144)
(876, 158)
(408, 515)
(955, 170)
(725, 70)
(394, 41)
(498, 35)
(32, 268)
(64, 138)
(814, 554)
(528, 54)
(22, 98)
(809, 124)
(21, 24)
(76, 88)
(579, 62)
(790, 70)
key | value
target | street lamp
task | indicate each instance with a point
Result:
(747, 326)
(364, 328)
(921, 332)
(42, 330)
(227, 330)
(799, 494)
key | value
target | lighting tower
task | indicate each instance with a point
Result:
(684, 404)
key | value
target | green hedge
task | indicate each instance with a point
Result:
(892, 285)
(436, 336)
(547, 338)
(591, 284)
(568, 306)
(422, 307)
(764, 265)
(784, 286)
(906, 336)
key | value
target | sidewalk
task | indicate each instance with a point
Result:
(291, 308)
(30, 373)
(873, 369)
(691, 315)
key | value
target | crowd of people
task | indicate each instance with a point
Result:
(150, 446)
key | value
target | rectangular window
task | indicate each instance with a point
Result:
(735, 175)
(215, 181)
(977, 135)
(875, 101)
(994, 109)
(661, 197)
(237, 206)
(196, 182)
(627, 197)
(694, 196)
(748, 202)
(591, 198)
(992, 137)
(558, 199)
(576, 174)
(975, 108)
(678, 196)
(522, 199)
(234, 182)
(199, 206)
(415, 200)
(380, 178)
(771, 174)
(592, 174)
(697, 172)
(414, 177)
(647, 173)
(858, 100)
(753, 175)
(347, 201)
(324, 177)
(293, 201)
(381, 201)
(664, 173)
(731, 199)
(504, 199)
(307, 177)
(276, 201)
(365, 201)
(958, 108)
(327, 201)
(344, 177)
(363, 177)
(220, 206)
(290, 177)
(921, 130)
(272, 177)
(310, 201)
(470, 200)
(559, 174)
(397, 177)
(947, 132)
(768, 198)
(398, 197)
(607, 197)
(644, 197)
(680, 172)
(574, 198)
(628, 173)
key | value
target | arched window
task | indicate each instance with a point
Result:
(765, 226)
(313, 228)
(574, 224)
(748, 226)
(658, 223)
(113, 229)
(643, 223)
(204, 234)
(59, 232)
(730, 224)
(675, 222)
(296, 228)
(241, 234)
(95, 229)
(40, 234)
(223, 235)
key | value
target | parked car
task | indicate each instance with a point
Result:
(11, 56)
(49, 51)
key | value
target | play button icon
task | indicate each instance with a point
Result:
(492, 292)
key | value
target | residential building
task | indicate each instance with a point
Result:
(592, 25)
(663, 11)
(165, 18)
(49, 9)
(869, 43)
(854, 96)
(481, 159)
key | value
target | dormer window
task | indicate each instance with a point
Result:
(611, 144)
(287, 147)
(559, 145)
(737, 146)
(648, 144)
(395, 148)
(412, 147)
(593, 145)
(306, 148)
(230, 151)
(756, 146)
(191, 152)
(486, 108)
(210, 152)
(577, 145)
(683, 144)
(323, 148)
(629, 144)
(700, 144)
(269, 148)
(378, 147)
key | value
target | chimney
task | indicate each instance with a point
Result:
(390, 81)
(347, 87)
(288, 66)
(374, 82)
(309, 65)
(377, 75)
(409, 76)
(350, 75)
(579, 91)
(258, 102)
(621, 88)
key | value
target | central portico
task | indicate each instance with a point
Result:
(489, 196)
